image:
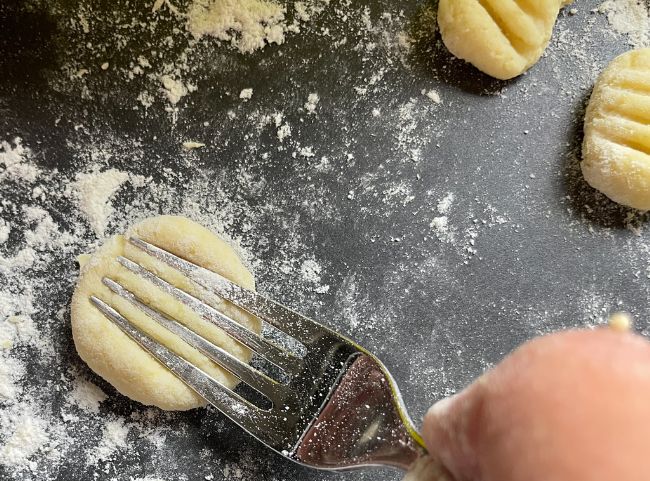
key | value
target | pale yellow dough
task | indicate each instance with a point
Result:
(616, 149)
(112, 354)
(503, 38)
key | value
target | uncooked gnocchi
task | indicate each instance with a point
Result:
(616, 149)
(118, 359)
(503, 38)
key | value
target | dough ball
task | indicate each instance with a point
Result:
(620, 322)
(118, 359)
(616, 149)
(502, 38)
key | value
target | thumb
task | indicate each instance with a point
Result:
(568, 406)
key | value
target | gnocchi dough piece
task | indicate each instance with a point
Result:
(502, 38)
(616, 148)
(116, 357)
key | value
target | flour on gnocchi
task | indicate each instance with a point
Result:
(503, 38)
(616, 149)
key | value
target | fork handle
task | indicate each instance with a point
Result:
(362, 424)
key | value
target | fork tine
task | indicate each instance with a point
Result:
(255, 379)
(228, 402)
(283, 359)
(272, 312)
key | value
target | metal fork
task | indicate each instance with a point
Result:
(338, 406)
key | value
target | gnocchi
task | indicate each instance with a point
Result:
(120, 360)
(616, 148)
(502, 38)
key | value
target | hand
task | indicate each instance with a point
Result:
(572, 406)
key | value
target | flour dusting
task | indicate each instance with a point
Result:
(631, 18)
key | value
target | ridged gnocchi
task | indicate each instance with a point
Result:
(503, 38)
(118, 359)
(616, 149)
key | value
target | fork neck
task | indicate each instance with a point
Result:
(363, 423)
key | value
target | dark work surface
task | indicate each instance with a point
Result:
(531, 247)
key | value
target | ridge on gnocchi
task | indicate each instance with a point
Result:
(616, 148)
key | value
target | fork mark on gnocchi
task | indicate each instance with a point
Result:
(623, 141)
(506, 22)
(503, 38)
(532, 8)
(616, 149)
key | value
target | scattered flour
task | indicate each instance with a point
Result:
(146, 99)
(246, 94)
(284, 131)
(440, 226)
(248, 25)
(15, 161)
(433, 95)
(11, 371)
(631, 18)
(172, 88)
(16, 330)
(5, 230)
(311, 273)
(444, 205)
(29, 436)
(306, 152)
(113, 439)
(93, 192)
(86, 395)
(312, 102)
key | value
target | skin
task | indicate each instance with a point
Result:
(572, 406)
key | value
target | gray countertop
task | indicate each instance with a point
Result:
(438, 235)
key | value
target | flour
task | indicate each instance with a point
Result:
(312, 102)
(29, 435)
(248, 25)
(17, 330)
(146, 99)
(440, 226)
(14, 157)
(283, 132)
(444, 205)
(246, 94)
(432, 95)
(86, 396)
(311, 273)
(113, 439)
(630, 18)
(93, 192)
(306, 152)
(174, 89)
(11, 371)
(5, 230)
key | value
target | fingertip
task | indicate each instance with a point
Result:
(448, 432)
(556, 394)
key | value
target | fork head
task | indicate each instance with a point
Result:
(328, 404)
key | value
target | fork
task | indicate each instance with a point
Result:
(333, 406)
